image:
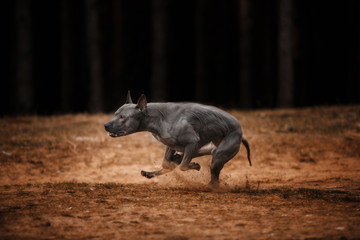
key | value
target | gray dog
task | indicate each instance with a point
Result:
(188, 130)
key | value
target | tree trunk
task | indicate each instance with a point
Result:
(245, 24)
(117, 43)
(94, 55)
(285, 54)
(66, 62)
(158, 76)
(23, 58)
(201, 73)
(358, 58)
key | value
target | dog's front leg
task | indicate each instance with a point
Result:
(190, 151)
(171, 161)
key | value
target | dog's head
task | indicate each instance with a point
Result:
(127, 118)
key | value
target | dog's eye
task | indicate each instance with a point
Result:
(122, 117)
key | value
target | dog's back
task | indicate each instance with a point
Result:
(210, 123)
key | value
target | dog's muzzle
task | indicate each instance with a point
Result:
(109, 129)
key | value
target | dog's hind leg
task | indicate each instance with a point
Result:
(171, 160)
(225, 151)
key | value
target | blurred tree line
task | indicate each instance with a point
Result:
(68, 56)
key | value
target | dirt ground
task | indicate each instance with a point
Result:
(62, 177)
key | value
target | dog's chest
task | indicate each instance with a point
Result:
(170, 142)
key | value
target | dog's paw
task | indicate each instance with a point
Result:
(147, 174)
(213, 185)
(195, 166)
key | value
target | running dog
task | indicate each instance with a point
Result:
(188, 130)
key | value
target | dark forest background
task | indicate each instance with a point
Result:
(61, 56)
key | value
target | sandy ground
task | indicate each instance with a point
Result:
(62, 177)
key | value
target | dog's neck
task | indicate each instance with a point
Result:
(152, 119)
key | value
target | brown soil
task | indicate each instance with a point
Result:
(62, 177)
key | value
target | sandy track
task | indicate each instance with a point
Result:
(63, 177)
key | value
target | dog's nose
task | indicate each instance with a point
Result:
(107, 126)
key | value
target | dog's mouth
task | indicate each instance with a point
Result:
(119, 134)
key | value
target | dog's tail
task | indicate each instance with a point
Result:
(246, 144)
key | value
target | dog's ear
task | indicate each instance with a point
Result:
(128, 98)
(142, 103)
